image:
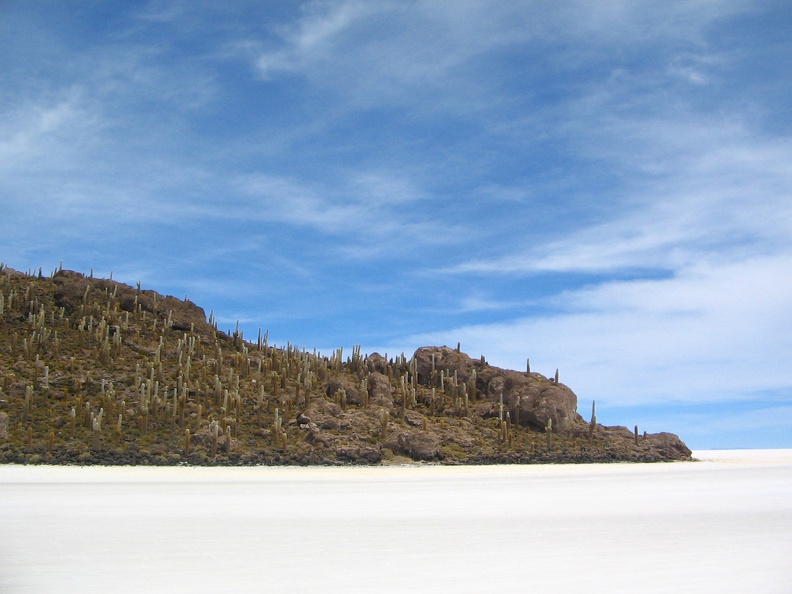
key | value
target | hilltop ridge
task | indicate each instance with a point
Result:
(94, 371)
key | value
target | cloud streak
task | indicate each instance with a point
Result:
(710, 333)
(721, 198)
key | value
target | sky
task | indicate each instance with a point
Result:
(604, 188)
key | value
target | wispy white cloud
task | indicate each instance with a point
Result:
(405, 51)
(316, 34)
(392, 53)
(696, 69)
(46, 131)
(710, 333)
(368, 213)
(478, 302)
(720, 194)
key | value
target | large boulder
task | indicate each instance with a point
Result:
(350, 386)
(323, 413)
(415, 444)
(380, 390)
(442, 359)
(376, 362)
(70, 289)
(533, 401)
(668, 446)
(649, 447)
(530, 398)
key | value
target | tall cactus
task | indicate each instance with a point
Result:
(549, 433)
(384, 420)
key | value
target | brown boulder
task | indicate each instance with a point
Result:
(530, 399)
(71, 286)
(441, 359)
(357, 452)
(415, 444)
(668, 446)
(380, 390)
(533, 401)
(376, 362)
(350, 387)
(323, 414)
(460, 432)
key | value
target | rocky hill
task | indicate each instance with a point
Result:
(97, 372)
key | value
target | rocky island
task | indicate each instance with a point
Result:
(93, 371)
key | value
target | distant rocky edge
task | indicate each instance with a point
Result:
(98, 372)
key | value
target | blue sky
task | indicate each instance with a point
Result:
(604, 187)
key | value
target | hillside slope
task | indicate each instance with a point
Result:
(97, 372)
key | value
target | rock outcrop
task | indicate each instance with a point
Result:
(531, 399)
(73, 289)
(96, 371)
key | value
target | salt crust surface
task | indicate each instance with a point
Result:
(721, 524)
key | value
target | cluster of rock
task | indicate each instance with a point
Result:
(275, 406)
(530, 401)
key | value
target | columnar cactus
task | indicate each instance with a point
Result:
(28, 396)
(384, 420)
(517, 406)
(549, 432)
(403, 388)
(215, 429)
(276, 429)
(465, 399)
(473, 386)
